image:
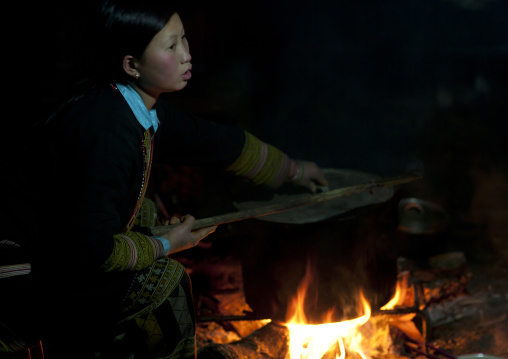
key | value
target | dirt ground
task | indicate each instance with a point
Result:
(481, 323)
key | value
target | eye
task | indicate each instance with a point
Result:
(172, 47)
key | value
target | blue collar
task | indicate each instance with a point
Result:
(145, 118)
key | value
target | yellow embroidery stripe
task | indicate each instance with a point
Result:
(249, 157)
(132, 251)
(262, 163)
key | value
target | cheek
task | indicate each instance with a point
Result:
(162, 71)
(166, 65)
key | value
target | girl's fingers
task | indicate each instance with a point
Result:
(203, 232)
(174, 220)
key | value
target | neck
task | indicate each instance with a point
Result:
(149, 98)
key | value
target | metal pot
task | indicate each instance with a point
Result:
(417, 216)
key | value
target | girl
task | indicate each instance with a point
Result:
(83, 272)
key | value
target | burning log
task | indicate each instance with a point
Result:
(365, 336)
(447, 277)
(269, 342)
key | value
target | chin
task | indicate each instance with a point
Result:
(178, 87)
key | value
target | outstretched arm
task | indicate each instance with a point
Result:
(266, 165)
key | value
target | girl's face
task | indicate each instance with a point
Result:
(165, 64)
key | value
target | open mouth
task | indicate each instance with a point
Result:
(187, 75)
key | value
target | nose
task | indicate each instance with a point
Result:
(186, 56)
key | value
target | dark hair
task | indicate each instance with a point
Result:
(119, 28)
(126, 27)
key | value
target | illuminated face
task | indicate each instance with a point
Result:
(165, 64)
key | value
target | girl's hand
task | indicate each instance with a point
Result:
(309, 174)
(182, 237)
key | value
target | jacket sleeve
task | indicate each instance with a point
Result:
(190, 140)
(186, 139)
(263, 163)
(133, 251)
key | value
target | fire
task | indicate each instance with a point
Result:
(400, 294)
(401, 290)
(313, 341)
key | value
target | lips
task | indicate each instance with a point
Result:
(187, 75)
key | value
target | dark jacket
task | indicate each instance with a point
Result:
(84, 174)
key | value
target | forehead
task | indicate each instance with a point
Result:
(173, 29)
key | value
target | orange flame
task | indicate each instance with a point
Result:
(363, 335)
(312, 341)
(400, 292)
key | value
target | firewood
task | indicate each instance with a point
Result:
(268, 342)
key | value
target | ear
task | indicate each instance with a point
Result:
(130, 66)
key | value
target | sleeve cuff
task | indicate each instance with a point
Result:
(165, 243)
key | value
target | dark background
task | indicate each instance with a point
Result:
(349, 84)
(385, 87)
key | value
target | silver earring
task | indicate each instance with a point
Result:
(137, 75)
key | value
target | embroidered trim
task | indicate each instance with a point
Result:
(155, 287)
(133, 251)
(147, 147)
(262, 163)
(15, 270)
(9, 243)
